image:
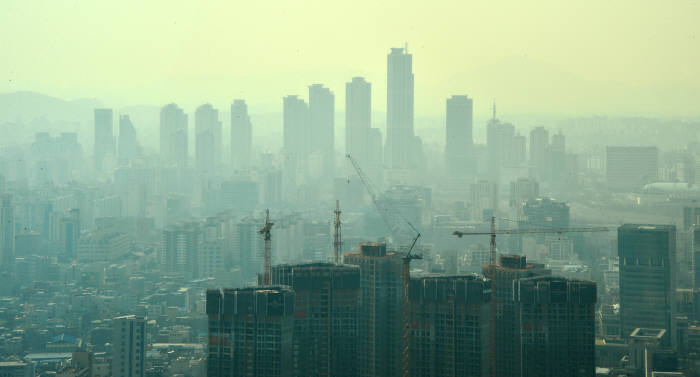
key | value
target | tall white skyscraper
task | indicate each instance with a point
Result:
(127, 147)
(400, 137)
(128, 346)
(104, 137)
(322, 116)
(207, 140)
(173, 136)
(459, 155)
(7, 232)
(241, 136)
(358, 117)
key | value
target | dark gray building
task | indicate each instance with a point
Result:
(459, 153)
(556, 322)
(325, 317)
(647, 263)
(250, 332)
(381, 306)
(450, 326)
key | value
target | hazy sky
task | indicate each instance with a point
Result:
(625, 57)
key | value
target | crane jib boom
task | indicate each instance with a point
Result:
(526, 231)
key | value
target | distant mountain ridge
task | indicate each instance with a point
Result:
(24, 107)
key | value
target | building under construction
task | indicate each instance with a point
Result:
(506, 353)
(381, 304)
(557, 331)
(325, 317)
(449, 326)
(250, 331)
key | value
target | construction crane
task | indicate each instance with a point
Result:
(265, 231)
(394, 220)
(492, 269)
(337, 239)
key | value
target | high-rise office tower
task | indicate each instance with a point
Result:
(380, 335)
(400, 137)
(104, 138)
(70, 234)
(325, 324)
(179, 252)
(556, 325)
(297, 139)
(450, 326)
(629, 168)
(127, 146)
(7, 232)
(322, 118)
(459, 153)
(557, 161)
(129, 346)
(207, 140)
(647, 285)
(173, 136)
(539, 145)
(250, 332)
(507, 322)
(358, 118)
(241, 136)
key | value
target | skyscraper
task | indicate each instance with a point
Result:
(207, 140)
(322, 122)
(647, 288)
(127, 146)
(241, 136)
(250, 332)
(179, 252)
(381, 305)
(173, 136)
(450, 326)
(539, 145)
(325, 323)
(557, 326)
(358, 117)
(249, 247)
(7, 232)
(400, 137)
(104, 138)
(459, 154)
(297, 136)
(129, 346)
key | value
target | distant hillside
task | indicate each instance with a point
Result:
(24, 107)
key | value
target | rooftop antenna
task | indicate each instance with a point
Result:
(494, 108)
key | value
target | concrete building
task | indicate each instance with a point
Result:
(557, 326)
(381, 305)
(103, 245)
(250, 332)
(400, 136)
(358, 118)
(16, 369)
(459, 145)
(647, 264)
(179, 252)
(207, 128)
(507, 326)
(249, 247)
(129, 346)
(322, 124)
(630, 168)
(521, 191)
(7, 232)
(104, 137)
(297, 140)
(326, 314)
(173, 136)
(450, 326)
(127, 145)
(241, 136)
(539, 146)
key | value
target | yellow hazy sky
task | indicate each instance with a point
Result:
(624, 57)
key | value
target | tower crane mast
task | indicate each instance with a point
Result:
(391, 218)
